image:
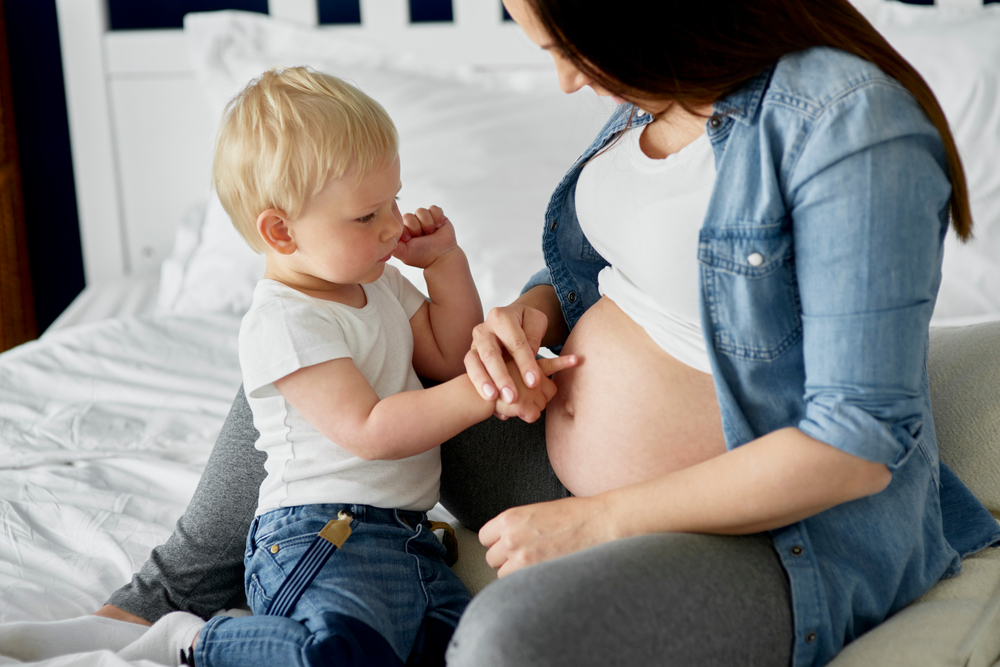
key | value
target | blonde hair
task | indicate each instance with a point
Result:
(286, 135)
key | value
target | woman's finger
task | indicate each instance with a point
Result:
(516, 342)
(490, 532)
(533, 325)
(494, 558)
(490, 347)
(479, 376)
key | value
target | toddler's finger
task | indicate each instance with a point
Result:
(548, 388)
(426, 220)
(411, 224)
(552, 366)
(438, 215)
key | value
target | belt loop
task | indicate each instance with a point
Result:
(448, 539)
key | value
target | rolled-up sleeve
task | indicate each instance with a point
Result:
(869, 195)
(540, 278)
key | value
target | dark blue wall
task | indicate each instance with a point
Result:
(43, 145)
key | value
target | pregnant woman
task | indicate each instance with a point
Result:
(743, 468)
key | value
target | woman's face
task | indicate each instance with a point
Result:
(571, 79)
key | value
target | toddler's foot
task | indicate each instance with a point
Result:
(164, 641)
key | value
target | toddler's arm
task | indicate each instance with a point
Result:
(442, 328)
(337, 399)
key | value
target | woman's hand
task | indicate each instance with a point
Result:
(531, 534)
(531, 401)
(518, 330)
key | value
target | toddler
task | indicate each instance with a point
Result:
(308, 169)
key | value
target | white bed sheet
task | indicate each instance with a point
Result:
(104, 431)
(108, 298)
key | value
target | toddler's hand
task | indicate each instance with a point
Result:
(427, 234)
(530, 400)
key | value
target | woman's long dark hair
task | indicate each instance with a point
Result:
(696, 52)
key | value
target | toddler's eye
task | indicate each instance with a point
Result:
(367, 218)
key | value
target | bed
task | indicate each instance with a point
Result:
(108, 419)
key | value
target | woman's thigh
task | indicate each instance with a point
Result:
(495, 465)
(665, 599)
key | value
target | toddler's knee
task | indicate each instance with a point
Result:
(350, 643)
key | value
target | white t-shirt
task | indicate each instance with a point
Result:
(644, 216)
(286, 330)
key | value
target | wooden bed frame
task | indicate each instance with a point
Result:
(141, 132)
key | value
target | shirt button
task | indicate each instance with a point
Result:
(275, 548)
(797, 550)
(715, 122)
(755, 259)
(572, 297)
(552, 227)
(810, 637)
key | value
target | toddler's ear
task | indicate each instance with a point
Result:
(272, 225)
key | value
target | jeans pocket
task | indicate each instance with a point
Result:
(257, 597)
(751, 292)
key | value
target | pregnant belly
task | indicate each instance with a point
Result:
(629, 412)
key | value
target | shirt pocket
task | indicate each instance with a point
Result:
(748, 277)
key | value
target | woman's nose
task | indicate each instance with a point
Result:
(571, 79)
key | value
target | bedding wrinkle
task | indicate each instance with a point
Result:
(158, 387)
(104, 431)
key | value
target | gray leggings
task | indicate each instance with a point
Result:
(666, 599)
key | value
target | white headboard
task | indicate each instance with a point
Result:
(141, 132)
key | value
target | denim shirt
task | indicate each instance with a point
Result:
(819, 262)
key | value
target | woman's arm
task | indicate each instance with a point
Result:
(773, 481)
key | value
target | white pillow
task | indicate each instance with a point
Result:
(491, 156)
(211, 268)
(487, 154)
(957, 51)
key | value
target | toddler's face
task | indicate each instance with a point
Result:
(348, 231)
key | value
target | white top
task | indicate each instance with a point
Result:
(644, 216)
(286, 330)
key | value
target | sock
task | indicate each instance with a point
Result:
(29, 641)
(164, 641)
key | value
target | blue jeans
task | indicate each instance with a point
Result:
(386, 598)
